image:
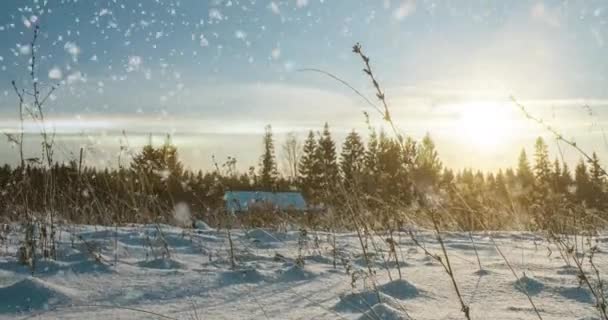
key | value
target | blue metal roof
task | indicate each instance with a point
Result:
(239, 201)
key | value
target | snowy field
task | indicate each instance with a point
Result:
(197, 282)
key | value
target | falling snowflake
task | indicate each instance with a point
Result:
(276, 53)
(203, 41)
(215, 14)
(26, 22)
(134, 63)
(55, 74)
(72, 49)
(240, 34)
(274, 7)
(24, 49)
(76, 77)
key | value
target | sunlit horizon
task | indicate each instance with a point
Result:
(490, 133)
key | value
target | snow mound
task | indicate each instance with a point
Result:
(202, 225)
(163, 264)
(296, 273)
(240, 276)
(393, 264)
(208, 237)
(357, 301)
(69, 254)
(482, 272)
(567, 270)
(362, 301)
(372, 257)
(262, 236)
(176, 240)
(99, 234)
(321, 259)
(89, 266)
(43, 267)
(388, 292)
(579, 294)
(32, 294)
(382, 311)
(156, 240)
(529, 285)
(400, 289)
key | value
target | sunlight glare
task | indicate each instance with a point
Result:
(484, 124)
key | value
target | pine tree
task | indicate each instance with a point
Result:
(428, 165)
(308, 173)
(352, 159)
(158, 170)
(565, 180)
(556, 177)
(371, 173)
(147, 161)
(390, 167)
(327, 163)
(542, 166)
(582, 183)
(596, 183)
(170, 160)
(447, 178)
(490, 182)
(172, 170)
(510, 178)
(524, 173)
(480, 181)
(268, 165)
(501, 191)
(467, 177)
(371, 158)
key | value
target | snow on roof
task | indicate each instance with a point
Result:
(239, 201)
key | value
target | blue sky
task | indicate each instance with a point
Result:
(213, 73)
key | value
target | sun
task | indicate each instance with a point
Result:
(484, 124)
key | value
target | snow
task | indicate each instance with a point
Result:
(276, 53)
(72, 49)
(274, 7)
(384, 312)
(32, 294)
(76, 77)
(202, 225)
(203, 41)
(55, 73)
(134, 63)
(122, 272)
(166, 264)
(24, 49)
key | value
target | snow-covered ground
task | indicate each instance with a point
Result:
(197, 282)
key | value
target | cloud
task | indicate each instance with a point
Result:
(240, 108)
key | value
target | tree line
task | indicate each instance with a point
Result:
(382, 172)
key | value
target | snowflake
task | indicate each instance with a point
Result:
(55, 73)
(203, 41)
(134, 63)
(72, 49)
